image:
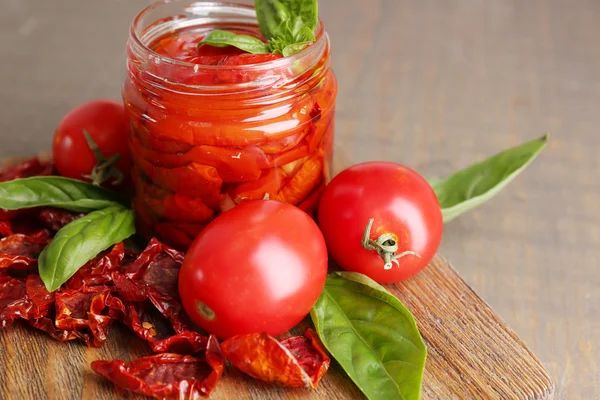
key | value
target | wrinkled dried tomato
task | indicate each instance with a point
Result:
(142, 303)
(46, 324)
(82, 311)
(54, 218)
(157, 266)
(296, 361)
(98, 270)
(41, 299)
(26, 169)
(5, 228)
(20, 251)
(167, 376)
(13, 300)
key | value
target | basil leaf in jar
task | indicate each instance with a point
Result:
(219, 38)
(473, 186)
(81, 240)
(55, 191)
(273, 15)
(371, 335)
(293, 48)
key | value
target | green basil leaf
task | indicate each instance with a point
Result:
(247, 43)
(273, 14)
(291, 49)
(371, 335)
(473, 186)
(304, 35)
(54, 191)
(81, 240)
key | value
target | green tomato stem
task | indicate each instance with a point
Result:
(386, 246)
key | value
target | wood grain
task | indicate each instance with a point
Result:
(433, 84)
(473, 354)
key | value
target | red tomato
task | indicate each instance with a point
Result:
(259, 267)
(107, 124)
(401, 203)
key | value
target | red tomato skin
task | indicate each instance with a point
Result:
(107, 124)
(400, 201)
(260, 267)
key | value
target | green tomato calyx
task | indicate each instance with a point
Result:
(386, 245)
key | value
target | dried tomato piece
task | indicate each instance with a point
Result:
(144, 138)
(297, 153)
(20, 251)
(47, 325)
(303, 182)
(26, 169)
(193, 179)
(172, 206)
(288, 142)
(310, 353)
(186, 342)
(153, 316)
(98, 270)
(54, 218)
(41, 299)
(237, 75)
(5, 228)
(296, 361)
(14, 302)
(168, 375)
(232, 164)
(269, 183)
(319, 130)
(82, 311)
(158, 267)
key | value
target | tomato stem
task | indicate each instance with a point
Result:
(386, 245)
(105, 168)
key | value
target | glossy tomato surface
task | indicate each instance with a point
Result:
(108, 125)
(258, 267)
(399, 200)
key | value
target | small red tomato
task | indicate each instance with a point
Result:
(107, 124)
(381, 219)
(259, 267)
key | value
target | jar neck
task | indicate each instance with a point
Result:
(301, 71)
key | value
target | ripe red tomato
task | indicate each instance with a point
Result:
(259, 267)
(106, 122)
(401, 203)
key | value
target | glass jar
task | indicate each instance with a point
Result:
(205, 138)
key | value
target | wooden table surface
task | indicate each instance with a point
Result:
(434, 84)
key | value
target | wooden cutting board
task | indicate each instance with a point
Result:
(472, 354)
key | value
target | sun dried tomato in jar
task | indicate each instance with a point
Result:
(214, 126)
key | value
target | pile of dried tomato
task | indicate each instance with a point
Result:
(138, 289)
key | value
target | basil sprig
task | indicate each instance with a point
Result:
(288, 25)
(54, 191)
(473, 186)
(81, 240)
(371, 335)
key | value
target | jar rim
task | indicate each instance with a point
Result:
(135, 32)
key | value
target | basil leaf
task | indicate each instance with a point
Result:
(291, 49)
(80, 241)
(304, 35)
(272, 16)
(473, 186)
(371, 335)
(54, 191)
(247, 43)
